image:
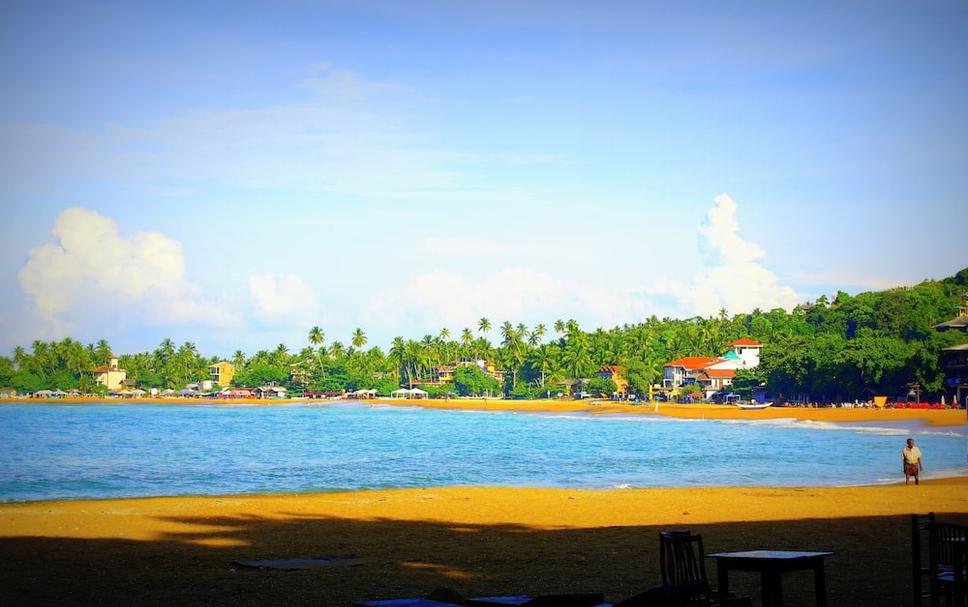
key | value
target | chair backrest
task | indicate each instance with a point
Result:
(947, 542)
(920, 525)
(683, 561)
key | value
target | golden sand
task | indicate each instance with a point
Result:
(475, 540)
(933, 417)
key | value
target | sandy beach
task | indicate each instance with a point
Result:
(476, 540)
(932, 417)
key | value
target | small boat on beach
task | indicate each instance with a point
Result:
(753, 406)
(734, 399)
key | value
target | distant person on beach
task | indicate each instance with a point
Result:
(911, 461)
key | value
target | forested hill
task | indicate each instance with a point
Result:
(851, 347)
(855, 346)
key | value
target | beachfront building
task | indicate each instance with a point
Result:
(269, 392)
(616, 373)
(686, 370)
(954, 360)
(222, 373)
(712, 373)
(713, 380)
(110, 375)
(8, 393)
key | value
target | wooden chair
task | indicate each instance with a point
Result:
(682, 561)
(920, 525)
(947, 560)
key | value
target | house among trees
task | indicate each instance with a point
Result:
(222, 373)
(299, 376)
(615, 373)
(747, 350)
(110, 375)
(960, 322)
(444, 374)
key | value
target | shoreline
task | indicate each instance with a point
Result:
(959, 477)
(931, 417)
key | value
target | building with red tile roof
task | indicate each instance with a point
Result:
(713, 373)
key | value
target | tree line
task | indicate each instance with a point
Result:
(844, 347)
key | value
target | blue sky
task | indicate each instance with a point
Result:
(233, 176)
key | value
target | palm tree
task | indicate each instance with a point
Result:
(559, 326)
(397, 354)
(466, 339)
(316, 336)
(576, 356)
(337, 350)
(484, 325)
(20, 357)
(102, 351)
(544, 360)
(238, 359)
(507, 332)
(444, 334)
(359, 338)
(536, 336)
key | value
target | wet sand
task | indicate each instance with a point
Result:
(476, 540)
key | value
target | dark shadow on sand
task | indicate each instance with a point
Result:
(395, 559)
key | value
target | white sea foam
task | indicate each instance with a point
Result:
(401, 408)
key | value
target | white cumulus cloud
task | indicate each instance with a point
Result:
(284, 299)
(732, 276)
(92, 269)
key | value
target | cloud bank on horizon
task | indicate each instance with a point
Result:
(93, 274)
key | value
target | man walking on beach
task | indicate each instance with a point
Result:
(911, 462)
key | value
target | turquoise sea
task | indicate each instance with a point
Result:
(121, 450)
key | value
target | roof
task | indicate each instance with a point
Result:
(745, 341)
(720, 373)
(612, 369)
(960, 322)
(106, 368)
(731, 355)
(694, 362)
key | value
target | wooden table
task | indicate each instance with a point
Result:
(772, 564)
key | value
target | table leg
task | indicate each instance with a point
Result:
(820, 584)
(722, 576)
(771, 589)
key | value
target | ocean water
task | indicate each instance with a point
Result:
(111, 450)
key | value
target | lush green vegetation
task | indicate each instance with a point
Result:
(850, 347)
